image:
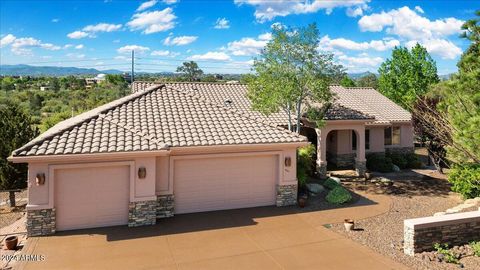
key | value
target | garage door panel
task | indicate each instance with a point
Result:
(208, 184)
(91, 197)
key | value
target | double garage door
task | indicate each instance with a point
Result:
(88, 197)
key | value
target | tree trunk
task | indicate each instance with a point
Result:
(299, 107)
(289, 112)
(11, 195)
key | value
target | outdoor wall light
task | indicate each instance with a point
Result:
(40, 179)
(288, 161)
(142, 172)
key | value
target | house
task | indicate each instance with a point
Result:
(155, 153)
(91, 82)
(189, 147)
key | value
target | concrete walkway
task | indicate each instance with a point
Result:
(256, 238)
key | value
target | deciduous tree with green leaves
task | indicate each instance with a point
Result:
(369, 80)
(16, 129)
(292, 75)
(407, 75)
(191, 70)
(347, 82)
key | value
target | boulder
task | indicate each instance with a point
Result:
(315, 188)
(395, 168)
(336, 179)
(439, 214)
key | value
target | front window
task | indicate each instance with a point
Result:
(392, 136)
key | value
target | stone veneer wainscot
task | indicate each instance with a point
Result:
(142, 213)
(286, 195)
(166, 206)
(40, 222)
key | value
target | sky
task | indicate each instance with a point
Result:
(223, 36)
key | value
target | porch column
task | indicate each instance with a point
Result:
(360, 161)
(321, 152)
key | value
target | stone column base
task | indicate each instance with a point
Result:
(166, 206)
(41, 222)
(322, 170)
(360, 167)
(142, 213)
(287, 195)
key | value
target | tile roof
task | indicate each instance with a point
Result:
(156, 118)
(339, 112)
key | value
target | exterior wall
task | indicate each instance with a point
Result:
(406, 139)
(287, 195)
(420, 234)
(40, 222)
(165, 206)
(162, 168)
(144, 189)
(38, 196)
(344, 142)
(377, 140)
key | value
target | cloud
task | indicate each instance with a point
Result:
(66, 46)
(213, 56)
(23, 46)
(55, 20)
(378, 45)
(419, 9)
(179, 41)
(153, 21)
(354, 12)
(249, 46)
(130, 48)
(414, 28)
(146, 5)
(6, 40)
(102, 27)
(407, 23)
(170, 2)
(441, 47)
(360, 63)
(222, 23)
(77, 35)
(267, 10)
(164, 53)
(76, 55)
(79, 47)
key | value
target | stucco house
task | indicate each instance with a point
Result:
(189, 147)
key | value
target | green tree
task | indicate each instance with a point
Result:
(347, 82)
(16, 129)
(290, 72)
(191, 70)
(369, 80)
(407, 75)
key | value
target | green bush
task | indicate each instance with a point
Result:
(465, 180)
(379, 163)
(413, 161)
(476, 248)
(330, 183)
(338, 195)
(449, 256)
(398, 159)
(305, 163)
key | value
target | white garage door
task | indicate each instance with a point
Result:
(207, 184)
(91, 197)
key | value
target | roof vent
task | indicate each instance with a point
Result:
(227, 102)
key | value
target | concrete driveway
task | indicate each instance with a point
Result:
(256, 238)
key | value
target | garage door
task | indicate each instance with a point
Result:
(91, 197)
(207, 184)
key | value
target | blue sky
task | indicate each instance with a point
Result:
(222, 36)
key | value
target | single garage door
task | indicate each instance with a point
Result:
(207, 184)
(91, 197)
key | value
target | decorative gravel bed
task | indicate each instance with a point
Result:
(410, 199)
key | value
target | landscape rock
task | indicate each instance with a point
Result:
(395, 168)
(315, 188)
(439, 214)
(336, 179)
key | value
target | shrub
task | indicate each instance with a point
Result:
(413, 161)
(476, 248)
(305, 163)
(338, 195)
(465, 180)
(379, 163)
(330, 183)
(449, 256)
(398, 159)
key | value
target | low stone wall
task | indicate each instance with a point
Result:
(40, 222)
(166, 206)
(400, 150)
(420, 234)
(286, 195)
(360, 167)
(342, 160)
(142, 213)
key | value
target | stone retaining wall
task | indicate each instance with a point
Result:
(400, 150)
(342, 160)
(420, 234)
(286, 195)
(40, 222)
(166, 206)
(142, 213)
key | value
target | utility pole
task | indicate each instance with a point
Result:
(132, 77)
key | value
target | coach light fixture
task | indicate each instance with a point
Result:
(288, 161)
(142, 172)
(40, 179)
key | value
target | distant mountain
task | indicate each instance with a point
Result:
(360, 75)
(26, 70)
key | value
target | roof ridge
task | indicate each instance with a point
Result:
(234, 111)
(72, 122)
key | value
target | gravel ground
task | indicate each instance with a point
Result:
(410, 199)
(9, 215)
